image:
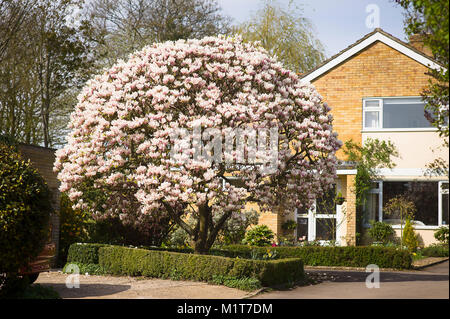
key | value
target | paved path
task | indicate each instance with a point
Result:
(430, 283)
(109, 287)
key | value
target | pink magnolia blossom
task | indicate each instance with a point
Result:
(118, 161)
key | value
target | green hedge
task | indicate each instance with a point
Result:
(84, 253)
(359, 256)
(435, 251)
(119, 260)
(350, 256)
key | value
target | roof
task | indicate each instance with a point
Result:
(374, 36)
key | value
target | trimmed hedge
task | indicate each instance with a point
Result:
(349, 256)
(119, 260)
(91, 269)
(84, 253)
(435, 251)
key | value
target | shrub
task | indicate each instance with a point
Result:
(148, 230)
(289, 225)
(163, 264)
(359, 256)
(24, 212)
(260, 235)
(84, 253)
(178, 238)
(234, 229)
(157, 263)
(91, 269)
(381, 232)
(436, 250)
(410, 239)
(73, 224)
(442, 235)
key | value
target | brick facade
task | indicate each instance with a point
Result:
(377, 71)
(42, 160)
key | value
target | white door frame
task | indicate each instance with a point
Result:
(312, 222)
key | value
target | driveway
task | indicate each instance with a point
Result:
(430, 283)
(109, 287)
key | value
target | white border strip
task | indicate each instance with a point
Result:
(346, 172)
(375, 37)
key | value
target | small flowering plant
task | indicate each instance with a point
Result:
(123, 157)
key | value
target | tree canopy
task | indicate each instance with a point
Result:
(200, 127)
(285, 33)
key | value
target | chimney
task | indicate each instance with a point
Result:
(417, 42)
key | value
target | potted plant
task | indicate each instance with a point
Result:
(339, 199)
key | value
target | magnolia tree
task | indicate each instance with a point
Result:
(197, 127)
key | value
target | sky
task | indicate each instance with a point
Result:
(338, 23)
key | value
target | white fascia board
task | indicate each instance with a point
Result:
(357, 48)
(401, 172)
(346, 172)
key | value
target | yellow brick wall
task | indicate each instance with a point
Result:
(350, 211)
(377, 71)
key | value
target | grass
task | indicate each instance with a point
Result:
(247, 284)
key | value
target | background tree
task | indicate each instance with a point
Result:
(122, 27)
(429, 18)
(12, 16)
(123, 157)
(46, 62)
(286, 34)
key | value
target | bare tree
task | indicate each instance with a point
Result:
(45, 63)
(122, 27)
(12, 16)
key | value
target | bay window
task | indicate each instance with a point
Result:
(430, 199)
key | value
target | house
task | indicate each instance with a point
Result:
(373, 88)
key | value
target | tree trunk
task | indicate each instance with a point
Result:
(201, 243)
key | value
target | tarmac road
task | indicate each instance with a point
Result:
(429, 283)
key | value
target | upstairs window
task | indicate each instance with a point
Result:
(394, 113)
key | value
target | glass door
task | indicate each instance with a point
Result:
(319, 222)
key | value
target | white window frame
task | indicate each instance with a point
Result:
(379, 190)
(441, 192)
(380, 109)
(312, 220)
